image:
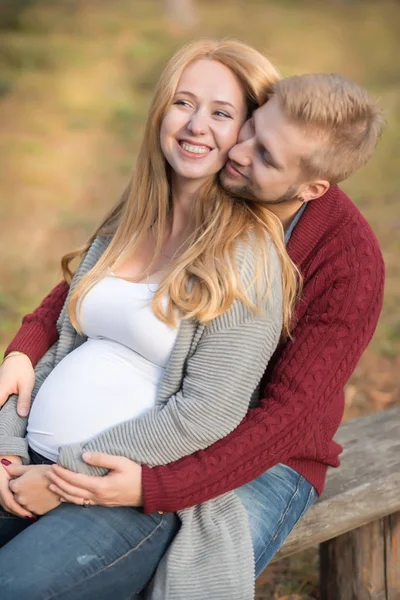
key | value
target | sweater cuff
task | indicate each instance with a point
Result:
(70, 457)
(149, 490)
(15, 446)
(157, 494)
(32, 340)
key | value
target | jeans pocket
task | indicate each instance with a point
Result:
(156, 516)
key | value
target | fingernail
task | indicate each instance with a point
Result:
(33, 519)
(5, 462)
(86, 456)
(24, 412)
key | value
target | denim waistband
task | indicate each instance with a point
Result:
(38, 459)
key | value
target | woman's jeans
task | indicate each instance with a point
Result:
(78, 553)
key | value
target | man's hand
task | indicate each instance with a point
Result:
(17, 377)
(122, 486)
(30, 487)
(7, 500)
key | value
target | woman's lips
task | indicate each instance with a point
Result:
(193, 150)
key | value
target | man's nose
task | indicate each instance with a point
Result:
(241, 153)
(198, 123)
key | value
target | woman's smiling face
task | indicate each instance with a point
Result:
(203, 121)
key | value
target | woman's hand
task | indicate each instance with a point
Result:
(17, 377)
(30, 487)
(122, 486)
(7, 500)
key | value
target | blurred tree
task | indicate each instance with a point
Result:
(182, 11)
(10, 11)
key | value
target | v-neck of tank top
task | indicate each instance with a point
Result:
(139, 286)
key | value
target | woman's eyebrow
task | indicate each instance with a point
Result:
(225, 103)
(185, 92)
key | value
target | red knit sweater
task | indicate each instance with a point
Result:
(303, 395)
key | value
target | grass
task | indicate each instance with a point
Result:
(75, 83)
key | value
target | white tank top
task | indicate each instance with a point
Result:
(120, 365)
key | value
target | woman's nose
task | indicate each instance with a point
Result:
(198, 124)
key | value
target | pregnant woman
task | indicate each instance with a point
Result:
(179, 300)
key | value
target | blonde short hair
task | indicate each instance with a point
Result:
(340, 113)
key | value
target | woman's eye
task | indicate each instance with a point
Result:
(181, 103)
(222, 113)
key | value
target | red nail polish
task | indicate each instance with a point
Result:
(6, 462)
(33, 519)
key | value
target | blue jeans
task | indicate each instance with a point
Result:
(77, 553)
(274, 502)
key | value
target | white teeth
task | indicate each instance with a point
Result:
(194, 149)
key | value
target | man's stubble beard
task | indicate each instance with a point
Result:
(245, 192)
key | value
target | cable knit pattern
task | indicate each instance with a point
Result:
(38, 331)
(303, 397)
(211, 379)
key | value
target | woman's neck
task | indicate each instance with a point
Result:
(183, 195)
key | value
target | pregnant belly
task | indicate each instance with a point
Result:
(98, 385)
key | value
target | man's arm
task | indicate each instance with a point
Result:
(38, 331)
(302, 389)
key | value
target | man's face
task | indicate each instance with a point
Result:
(265, 163)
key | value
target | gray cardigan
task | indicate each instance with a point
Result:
(211, 380)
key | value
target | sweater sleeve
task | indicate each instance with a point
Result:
(13, 430)
(38, 331)
(300, 393)
(12, 426)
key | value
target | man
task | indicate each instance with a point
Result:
(314, 131)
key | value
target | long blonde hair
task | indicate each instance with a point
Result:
(203, 281)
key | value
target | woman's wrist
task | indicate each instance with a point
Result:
(15, 353)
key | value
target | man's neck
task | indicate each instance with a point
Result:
(286, 211)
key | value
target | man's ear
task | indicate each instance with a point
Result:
(314, 189)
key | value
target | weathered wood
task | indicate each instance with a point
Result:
(352, 566)
(392, 556)
(365, 488)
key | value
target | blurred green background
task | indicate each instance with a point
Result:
(76, 77)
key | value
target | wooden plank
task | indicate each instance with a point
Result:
(352, 566)
(392, 556)
(366, 486)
